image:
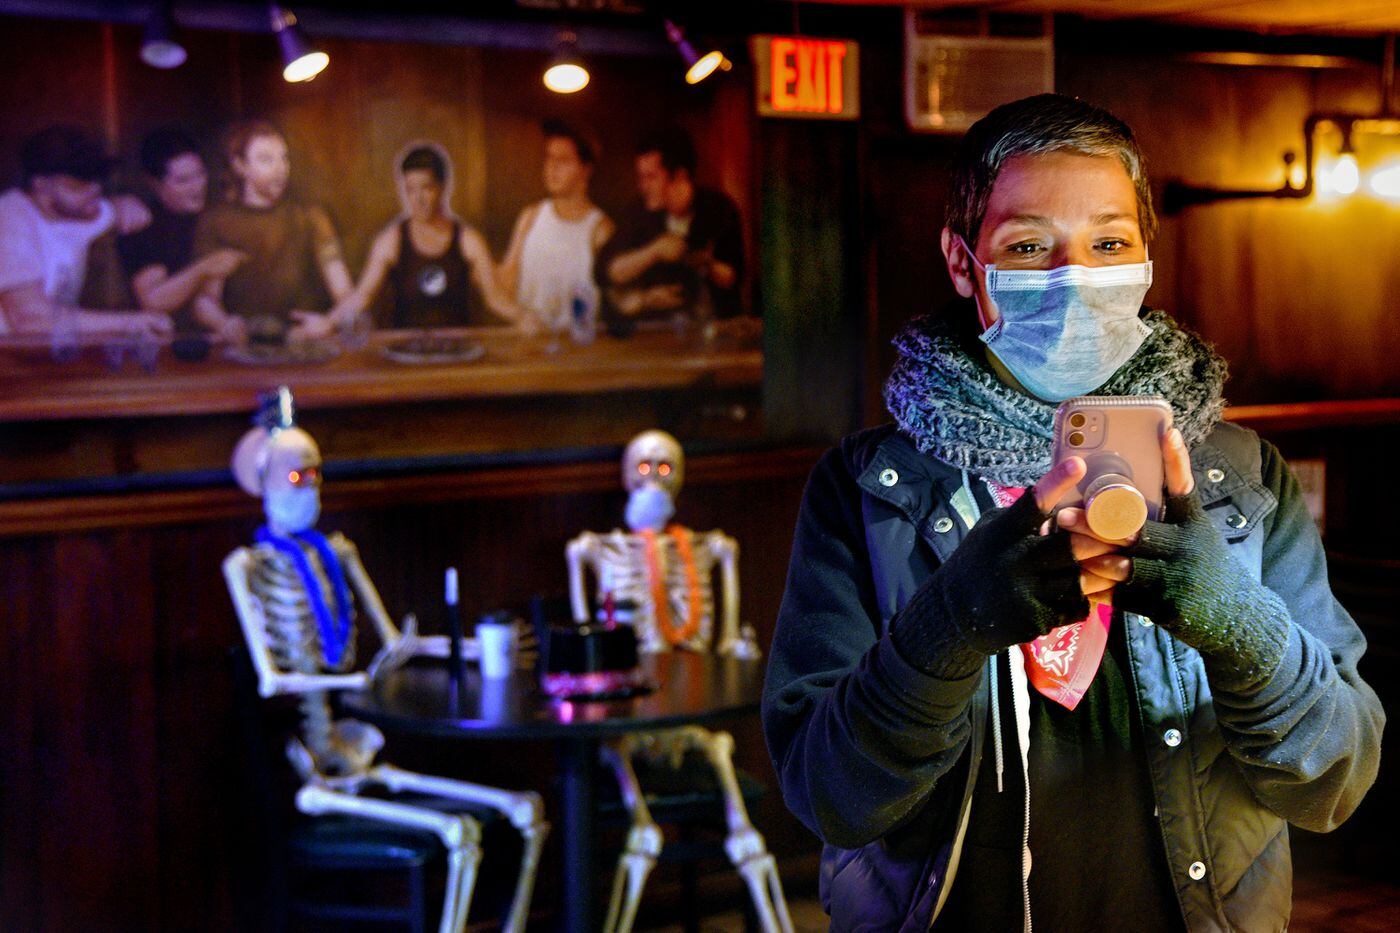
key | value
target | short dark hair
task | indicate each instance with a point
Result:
(674, 145)
(1033, 125)
(63, 150)
(425, 158)
(558, 129)
(161, 146)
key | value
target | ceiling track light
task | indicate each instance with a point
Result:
(566, 73)
(301, 61)
(159, 46)
(697, 67)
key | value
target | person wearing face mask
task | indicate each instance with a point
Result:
(929, 599)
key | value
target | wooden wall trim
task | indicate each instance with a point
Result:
(1301, 416)
(71, 514)
(76, 514)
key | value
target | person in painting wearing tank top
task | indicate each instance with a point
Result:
(434, 263)
(549, 265)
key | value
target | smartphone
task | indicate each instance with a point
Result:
(1120, 439)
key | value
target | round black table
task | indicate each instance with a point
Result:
(691, 689)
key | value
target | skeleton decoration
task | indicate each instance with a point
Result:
(659, 578)
(295, 592)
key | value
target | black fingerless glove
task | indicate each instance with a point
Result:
(1185, 579)
(1004, 585)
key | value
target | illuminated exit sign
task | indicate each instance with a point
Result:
(801, 77)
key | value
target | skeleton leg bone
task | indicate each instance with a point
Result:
(643, 841)
(525, 811)
(744, 845)
(460, 834)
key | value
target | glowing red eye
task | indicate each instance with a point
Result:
(644, 468)
(664, 469)
(294, 477)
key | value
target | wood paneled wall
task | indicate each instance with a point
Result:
(1300, 297)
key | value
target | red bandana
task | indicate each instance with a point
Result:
(1062, 663)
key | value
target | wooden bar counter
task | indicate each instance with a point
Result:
(34, 387)
(82, 427)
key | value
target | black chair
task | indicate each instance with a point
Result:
(329, 871)
(687, 798)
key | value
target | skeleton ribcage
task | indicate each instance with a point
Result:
(294, 638)
(623, 571)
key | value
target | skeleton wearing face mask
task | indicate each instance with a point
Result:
(295, 592)
(659, 578)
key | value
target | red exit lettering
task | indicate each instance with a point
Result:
(808, 75)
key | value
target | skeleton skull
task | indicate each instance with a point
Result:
(283, 466)
(653, 457)
(653, 469)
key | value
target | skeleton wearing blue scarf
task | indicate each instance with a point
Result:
(296, 593)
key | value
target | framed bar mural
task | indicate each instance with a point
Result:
(423, 221)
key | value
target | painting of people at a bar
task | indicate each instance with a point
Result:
(431, 226)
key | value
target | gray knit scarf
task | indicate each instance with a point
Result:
(954, 408)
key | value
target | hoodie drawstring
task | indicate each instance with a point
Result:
(996, 722)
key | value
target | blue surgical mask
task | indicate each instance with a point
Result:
(1063, 332)
(649, 507)
(293, 509)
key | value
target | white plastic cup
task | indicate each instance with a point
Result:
(495, 699)
(497, 641)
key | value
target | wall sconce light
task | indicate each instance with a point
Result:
(697, 67)
(1386, 182)
(159, 47)
(566, 73)
(1343, 176)
(301, 61)
(1338, 177)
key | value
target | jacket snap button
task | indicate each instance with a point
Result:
(1215, 474)
(1144, 621)
(1197, 871)
(943, 525)
(1172, 737)
(888, 477)
(1237, 521)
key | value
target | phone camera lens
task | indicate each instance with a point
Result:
(1076, 420)
(1076, 439)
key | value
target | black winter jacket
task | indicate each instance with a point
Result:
(879, 759)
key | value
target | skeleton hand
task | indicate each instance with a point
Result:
(395, 654)
(745, 647)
